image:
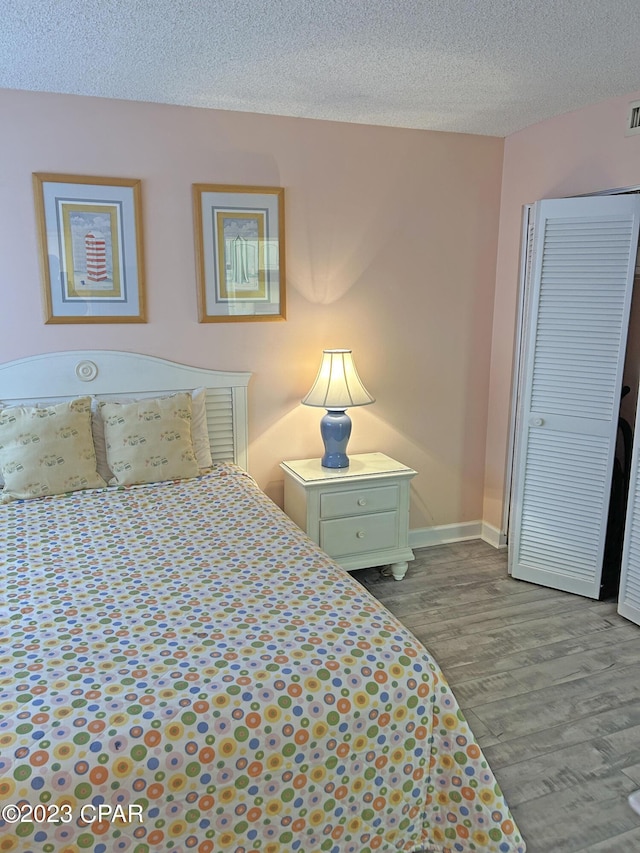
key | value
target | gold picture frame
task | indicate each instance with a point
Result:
(240, 253)
(91, 248)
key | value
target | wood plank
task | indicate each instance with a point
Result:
(484, 614)
(512, 638)
(489, 663)
(575, 765)
(578, 817)
(526, 679)
(517, 750)
(633, 773)
(566, 702)
(627, 842)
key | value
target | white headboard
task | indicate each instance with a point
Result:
(109, 373)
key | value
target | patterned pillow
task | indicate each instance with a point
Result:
(47, 450)
(149, 440)
(199, 432)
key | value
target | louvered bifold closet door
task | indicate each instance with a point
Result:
(629, 593)
(579, 299)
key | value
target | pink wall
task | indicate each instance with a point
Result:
(391, 239)
(580, 152)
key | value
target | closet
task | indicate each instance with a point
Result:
(578, 274)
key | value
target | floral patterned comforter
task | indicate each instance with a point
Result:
(182, 669)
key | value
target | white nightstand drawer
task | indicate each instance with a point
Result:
(357, 535)
(357, 501)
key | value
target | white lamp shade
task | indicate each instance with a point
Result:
(337, 385)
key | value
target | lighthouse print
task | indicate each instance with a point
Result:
(95, 247)
(92, 252)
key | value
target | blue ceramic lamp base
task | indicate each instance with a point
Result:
(335, 429)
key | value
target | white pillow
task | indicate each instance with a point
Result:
(199, 433)
(200, 429)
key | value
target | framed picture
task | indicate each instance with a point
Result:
(91, 256)
(239, 235)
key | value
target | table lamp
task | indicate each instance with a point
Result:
(336, 388)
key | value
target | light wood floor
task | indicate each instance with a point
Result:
(549, 682)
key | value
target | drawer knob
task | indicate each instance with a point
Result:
(362, 501)
(360, 534)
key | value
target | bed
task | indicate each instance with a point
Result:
(181, 668)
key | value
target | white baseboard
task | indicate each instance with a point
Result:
(493, 536)
(444, 534)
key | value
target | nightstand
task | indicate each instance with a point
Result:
(359, 515)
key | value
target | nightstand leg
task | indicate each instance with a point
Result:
(399, 570)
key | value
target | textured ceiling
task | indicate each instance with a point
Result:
(474, 66)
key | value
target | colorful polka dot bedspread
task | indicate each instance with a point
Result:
(181, 669)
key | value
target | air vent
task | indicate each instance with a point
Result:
(633, 119)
